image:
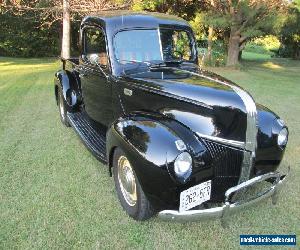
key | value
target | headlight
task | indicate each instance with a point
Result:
(282, 137)
(183, 165)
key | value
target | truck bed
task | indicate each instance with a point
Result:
(70, 63)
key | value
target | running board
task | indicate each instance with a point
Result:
(94, 140)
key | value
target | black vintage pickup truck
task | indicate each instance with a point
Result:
(177, 139)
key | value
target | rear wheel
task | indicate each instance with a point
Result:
(130, 193)
(62, 109)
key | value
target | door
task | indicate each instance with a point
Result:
(94, 72)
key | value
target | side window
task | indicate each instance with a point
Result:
(95, 46)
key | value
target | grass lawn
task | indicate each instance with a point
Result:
(55, 194)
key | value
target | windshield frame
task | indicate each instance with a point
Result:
(186, 29)
(190, 35)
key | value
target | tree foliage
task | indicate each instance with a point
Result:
(34, 27)
(183, 8)
(264, 45)
(290, 32)
(243, 20)
(22, 35)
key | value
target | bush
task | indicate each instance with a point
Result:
(263, 45)
(218, 56)
(253, 47)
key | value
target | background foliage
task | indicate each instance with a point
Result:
(269, 44)
(22, 36)
(290, 33)
(275, 32)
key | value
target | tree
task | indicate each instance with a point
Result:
(244, 19)
(183, 8)
(66, 38)
(290, 32)
(210, 38)
(52, 11)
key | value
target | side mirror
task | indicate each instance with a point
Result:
(94, 59)
(97, 60)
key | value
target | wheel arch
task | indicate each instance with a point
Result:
(148, 140)
(69, 85)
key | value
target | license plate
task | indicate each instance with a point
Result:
(195, 196)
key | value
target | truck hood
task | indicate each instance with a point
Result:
(205, 102)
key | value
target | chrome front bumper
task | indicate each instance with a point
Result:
(229, 207)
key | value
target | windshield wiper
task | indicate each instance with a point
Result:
(157, 64)
(137, 62)
(165, 64)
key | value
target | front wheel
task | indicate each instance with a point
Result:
(130, 193)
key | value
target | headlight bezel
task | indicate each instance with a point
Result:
(183, 172)
(278, 128)
(282, 137)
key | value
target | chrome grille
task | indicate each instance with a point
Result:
(226, 162)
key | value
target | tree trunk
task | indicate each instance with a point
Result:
(65, 48)
(296, 54)
(209, 40)
(209, 44)
(233, 48)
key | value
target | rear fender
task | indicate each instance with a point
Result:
(69, 84)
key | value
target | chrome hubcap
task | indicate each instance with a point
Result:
(127, 181)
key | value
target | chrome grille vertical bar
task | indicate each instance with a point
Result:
(251, 134)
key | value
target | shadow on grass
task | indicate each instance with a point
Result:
(10, 61)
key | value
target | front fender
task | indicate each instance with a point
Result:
(68, 83)
(268, 153)
(148, 141)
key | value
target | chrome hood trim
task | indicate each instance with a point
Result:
(238, 144)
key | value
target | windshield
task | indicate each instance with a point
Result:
(152, 45)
